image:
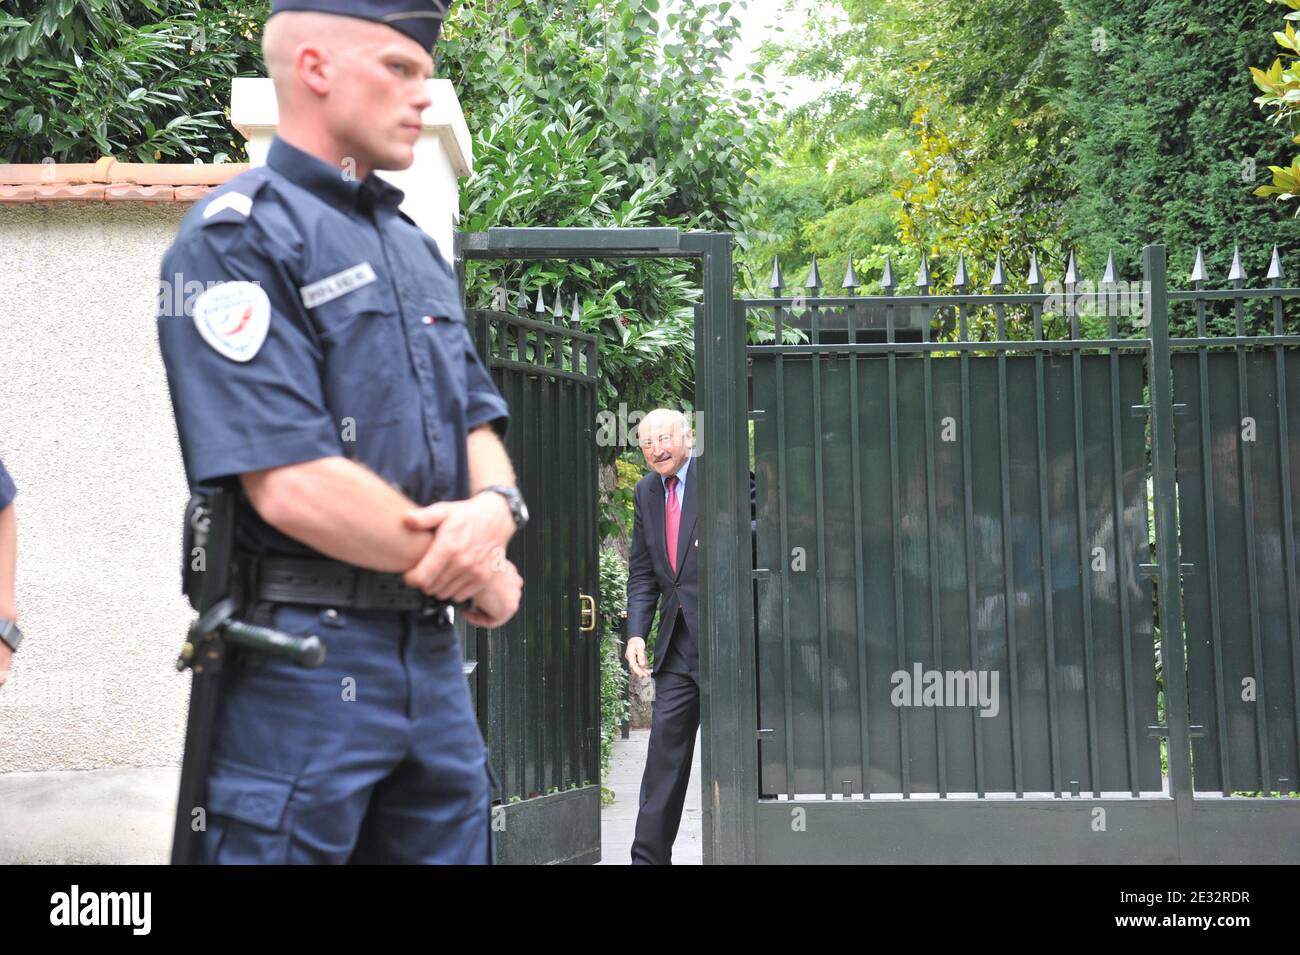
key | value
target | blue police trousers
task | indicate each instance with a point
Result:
(374, 757)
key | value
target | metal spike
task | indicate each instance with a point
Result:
(1275, 266)
(541, 300)
(923, 276)
(887, 277)
(1237, 273)
(1109, 277)
(1035, 277)
(998, 280)
(577, 311)
(1198, 269)
(1071, 273)
(777, 282)
(558, 310)
(814, 280)
(850, 277)
(521, 303)
(962, 279)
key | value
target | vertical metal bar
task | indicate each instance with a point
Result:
(824, 685)
(1045, 545)
(968, 510)
(1167, 544)
(550, 732)
(1085, 565)
(1288, 526)
(729, 768)
(932, 568)
(896, 509)
(787, 658)
(1245, 461)
(536, 659)
(1008, 575)
(571, 617)
(1117, 515)
(1211, 548)
(591, 548)
(859, 563)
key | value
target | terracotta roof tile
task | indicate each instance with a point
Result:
(112, 181)
(12, 194)
(59, 192)
(120, 191)
(191, 193)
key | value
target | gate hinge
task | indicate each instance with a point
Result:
(1153, 570)
(1195, 731)
(1140, 410)
(756, 414)
(761, 573)
(765, 734)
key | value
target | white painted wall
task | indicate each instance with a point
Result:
(86, 430)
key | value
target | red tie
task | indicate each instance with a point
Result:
(672, 520)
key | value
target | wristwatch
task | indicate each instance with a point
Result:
(10, 634)
(518, 509)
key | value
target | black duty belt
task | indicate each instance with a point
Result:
(331, 583)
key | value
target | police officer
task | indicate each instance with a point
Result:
(325, 369)
(10, 635)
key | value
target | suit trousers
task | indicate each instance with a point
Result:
(675, 720)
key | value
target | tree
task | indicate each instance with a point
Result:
(1281, 86)
(1167, 144)
(143, 81)
(584, 115)
(989, 135)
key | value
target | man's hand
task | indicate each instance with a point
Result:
(495, 604)
(636, 656)
(467, 537)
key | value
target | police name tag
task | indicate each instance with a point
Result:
(233, 317)
(340, 283)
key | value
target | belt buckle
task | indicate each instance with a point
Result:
(432, 608)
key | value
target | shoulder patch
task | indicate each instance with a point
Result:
(234, 317)
(236, 202)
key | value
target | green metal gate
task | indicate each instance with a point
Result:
(968, 506)
(960, 654)
(536, 681)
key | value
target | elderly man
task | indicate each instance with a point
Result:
(662, 571)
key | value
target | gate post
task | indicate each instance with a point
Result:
(728, 705)
(1170, 597)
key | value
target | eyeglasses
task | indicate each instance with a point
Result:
(663, 439)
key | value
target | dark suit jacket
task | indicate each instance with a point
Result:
(650, 580)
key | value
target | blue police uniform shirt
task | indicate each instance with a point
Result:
(366, 353)
(7, 489)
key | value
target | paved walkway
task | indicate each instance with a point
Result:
(618, 820)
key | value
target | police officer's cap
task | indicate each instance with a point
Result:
(421, 20)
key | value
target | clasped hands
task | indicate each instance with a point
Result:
(467, 559)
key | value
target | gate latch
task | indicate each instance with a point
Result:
(1139, 410)
(1153, 570)
(1195, 731)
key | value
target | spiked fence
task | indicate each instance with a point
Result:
(935, 495)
